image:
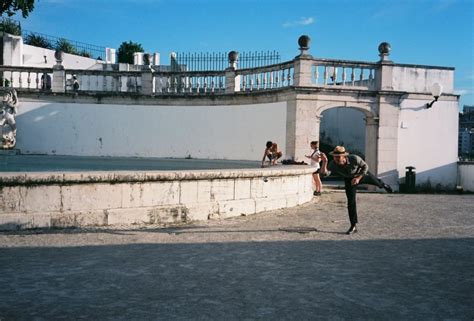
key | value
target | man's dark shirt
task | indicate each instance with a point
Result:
(355, 166)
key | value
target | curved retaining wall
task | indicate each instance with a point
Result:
(38, 200)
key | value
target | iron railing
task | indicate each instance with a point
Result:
(78, 48)
(201, 61)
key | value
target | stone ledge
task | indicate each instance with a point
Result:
(53, 178)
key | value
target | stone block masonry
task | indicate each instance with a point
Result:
(44, 200)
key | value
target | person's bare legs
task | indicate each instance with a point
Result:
(277, 157)
(318, 184)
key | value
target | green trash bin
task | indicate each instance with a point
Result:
(410, 179)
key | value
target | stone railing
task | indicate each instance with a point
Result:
(191, 82)
(343, 73)
(26, 77)
(103, 81)
(269, 77)
(325, 73)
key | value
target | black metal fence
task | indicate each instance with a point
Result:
(74, 47)
(37, 39)
(205, 61)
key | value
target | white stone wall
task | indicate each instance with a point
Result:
(108, 198)
(209, 132)
(16, 53)
(428, 140)
(34, 57)
(413, 79)
(466, 176)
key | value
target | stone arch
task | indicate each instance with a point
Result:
(369, 109)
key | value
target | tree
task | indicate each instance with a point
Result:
(11, 6)
(126, 50)
(38, 41)
(10, 26)
(65, 46)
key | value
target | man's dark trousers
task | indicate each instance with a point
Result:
(351, 191)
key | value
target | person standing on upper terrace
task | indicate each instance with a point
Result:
(272, 153)
(354, 171)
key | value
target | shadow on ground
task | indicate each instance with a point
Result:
(425, 279)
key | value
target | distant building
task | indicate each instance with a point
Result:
(466, 131)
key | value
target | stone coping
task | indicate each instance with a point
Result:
(87, 177)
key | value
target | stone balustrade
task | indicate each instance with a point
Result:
(326, 73)
(343, 73)
(25, 77)
(269, 77)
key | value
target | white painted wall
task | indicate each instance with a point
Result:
(466, 174)
(16, 53)
(412, 79)
(428, 140)
(34, 57)
(213, 132)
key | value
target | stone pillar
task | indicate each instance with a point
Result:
(387, 146)
(302, 75)
(371, 141)
(12, 54)
(302, 127)
(383, 76)
(232, 81)
(389, 117)
(59, 74)
(148, 80)
(303, 64)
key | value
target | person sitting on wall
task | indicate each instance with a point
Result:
(272, 153)
(354, 171)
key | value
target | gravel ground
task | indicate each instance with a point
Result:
(412, 259)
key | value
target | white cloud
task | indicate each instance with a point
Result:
(463, 92)
(303, 21)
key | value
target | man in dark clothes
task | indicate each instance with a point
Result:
(354, 171)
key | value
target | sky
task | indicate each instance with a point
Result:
(425, 32)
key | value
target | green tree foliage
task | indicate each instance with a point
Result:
(65, 46)
(10, 7)
(85, 53)
(126, 50)
(10, 26)
(38, 41)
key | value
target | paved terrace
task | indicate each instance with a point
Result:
(413, 259)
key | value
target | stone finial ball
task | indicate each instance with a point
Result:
(147, 59)
(59, 55)
(304, 42)
(233, 56)
(384, 48)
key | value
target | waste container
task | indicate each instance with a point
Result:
(410, 179)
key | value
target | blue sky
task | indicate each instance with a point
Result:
(428, 32)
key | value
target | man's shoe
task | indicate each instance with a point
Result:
(352, 230)
(387, 188)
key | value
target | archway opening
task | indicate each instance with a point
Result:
(343, 126)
